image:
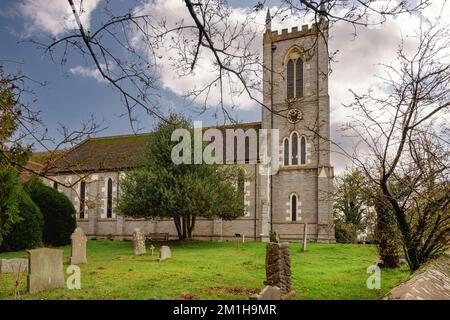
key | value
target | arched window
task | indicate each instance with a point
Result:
(294, 142)
(299, 78)
(247, 149)
(290, 79)
(294, 79)
(286, 151)
(303, 150)
(109, 199)
(293, 207)
(82, 198)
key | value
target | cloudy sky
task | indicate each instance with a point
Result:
(75, 91)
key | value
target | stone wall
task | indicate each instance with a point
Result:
(431, 282)
(206, 229)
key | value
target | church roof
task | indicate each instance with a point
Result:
(101, 154)
(108, 153)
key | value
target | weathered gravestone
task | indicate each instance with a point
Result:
(268, 293)
(139, 242)
(13, 265)
(78, 248)
(278, 267)
(45, 269)
(164, 253)
(305, 236)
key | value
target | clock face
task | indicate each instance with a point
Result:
(294, 115)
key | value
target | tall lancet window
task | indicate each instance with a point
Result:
(293, 207)
(294, 142)
(299, 78)
(294, 78)
(290, 79)
(303, 150)
(82, 198)
(286, 151)
(109, 199)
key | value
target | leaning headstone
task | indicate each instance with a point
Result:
(139, 242)
(164, 253)
(13, 265)
(278, 267)
(305, 236)
(78, 248)
(45, 269)
(268, 293)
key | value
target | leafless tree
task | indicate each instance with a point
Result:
(404, 138)
(22, 128)
(126, 47)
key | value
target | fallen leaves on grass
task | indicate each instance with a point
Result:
(187, 296)
(236, 291)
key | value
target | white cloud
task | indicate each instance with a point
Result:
(360, 62)
(56, 17)
(205, 71)
(435, 8)
(88, 73)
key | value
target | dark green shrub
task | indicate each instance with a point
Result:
(27, 233)
(346, 233)
(10, 190)
(58, 212)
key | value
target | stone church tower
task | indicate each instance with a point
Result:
(296, 95)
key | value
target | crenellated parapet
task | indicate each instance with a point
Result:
(305, 31)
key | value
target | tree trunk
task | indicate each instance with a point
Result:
(386, 236)
(177, 222)
(191, 227)
(185, 226)
(411, 251)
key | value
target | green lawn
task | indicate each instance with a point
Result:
(212, 270)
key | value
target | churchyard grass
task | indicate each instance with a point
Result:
(212, 270)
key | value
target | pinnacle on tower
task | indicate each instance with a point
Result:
(322, 11)
(268, 21)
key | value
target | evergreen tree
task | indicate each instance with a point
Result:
(162, 189)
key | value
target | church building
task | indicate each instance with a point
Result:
(295, 91)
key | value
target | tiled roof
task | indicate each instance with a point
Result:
(103, 154)
(30, 170)
(111, 153)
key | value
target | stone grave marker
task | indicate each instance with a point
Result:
(139, 242)
(45, 269)
(164, 253)
(78, 248)
(278, 267)
(13, 265)
(305, 236)
(268, 293)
